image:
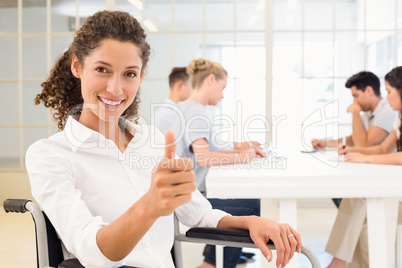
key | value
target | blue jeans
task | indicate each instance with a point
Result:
(236, 207)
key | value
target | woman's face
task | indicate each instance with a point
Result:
(110, 78)
(393, 97)
(217, 88)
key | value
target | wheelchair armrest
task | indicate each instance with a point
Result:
(15, 205)
(234, 238)
(218, 236)
(222, 234)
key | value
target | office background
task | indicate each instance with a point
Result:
(287, 60)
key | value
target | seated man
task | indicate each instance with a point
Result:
(348, 242)
(373, 125)
(180, 90)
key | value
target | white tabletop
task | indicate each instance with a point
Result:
(303, 175)
(294, 175)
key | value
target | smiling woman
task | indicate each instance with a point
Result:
(87, 41)
(109, 211)
(110, 78)
(93, 90)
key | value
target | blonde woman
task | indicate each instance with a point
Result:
(196, 141)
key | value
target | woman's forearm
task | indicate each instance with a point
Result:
(372, 150)
(117, 239)
(235, 222)
(386, 159)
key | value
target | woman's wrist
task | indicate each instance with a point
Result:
(237, 145)
(248, 221)
(369, 158)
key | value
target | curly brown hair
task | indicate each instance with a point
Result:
(394, 79)
(62, 90)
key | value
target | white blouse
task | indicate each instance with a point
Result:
(83, 182)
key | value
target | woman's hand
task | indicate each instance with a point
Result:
(254, 145)
(248, 150)
(285, 238)
(257, 148)
(172, 181)
(318, 144)
(356, 157)
(344, 150)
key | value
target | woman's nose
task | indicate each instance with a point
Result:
(114, 85)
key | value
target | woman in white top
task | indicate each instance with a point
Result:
(348, 239)
(108, 185)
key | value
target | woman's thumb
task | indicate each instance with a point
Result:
(170, 145)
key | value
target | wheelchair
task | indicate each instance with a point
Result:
(49, 252)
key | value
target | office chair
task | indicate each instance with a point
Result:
(49, 252)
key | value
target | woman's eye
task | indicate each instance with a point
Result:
(101, 70)
(131, 74)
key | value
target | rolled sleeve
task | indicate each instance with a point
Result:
(93, 255)
(199, 213)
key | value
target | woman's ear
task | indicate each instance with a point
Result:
(75, 67)
(211, 79)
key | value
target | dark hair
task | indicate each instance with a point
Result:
(394, 79)
(362, 80)
(178, 74)
(62, 90)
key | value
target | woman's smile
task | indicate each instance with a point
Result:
(110, 103)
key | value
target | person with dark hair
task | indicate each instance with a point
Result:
(180, 90)
(348, 239)
(109, 208)
(373, 125)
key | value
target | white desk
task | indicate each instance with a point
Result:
(314, 176)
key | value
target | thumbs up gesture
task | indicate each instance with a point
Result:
(172, 181)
